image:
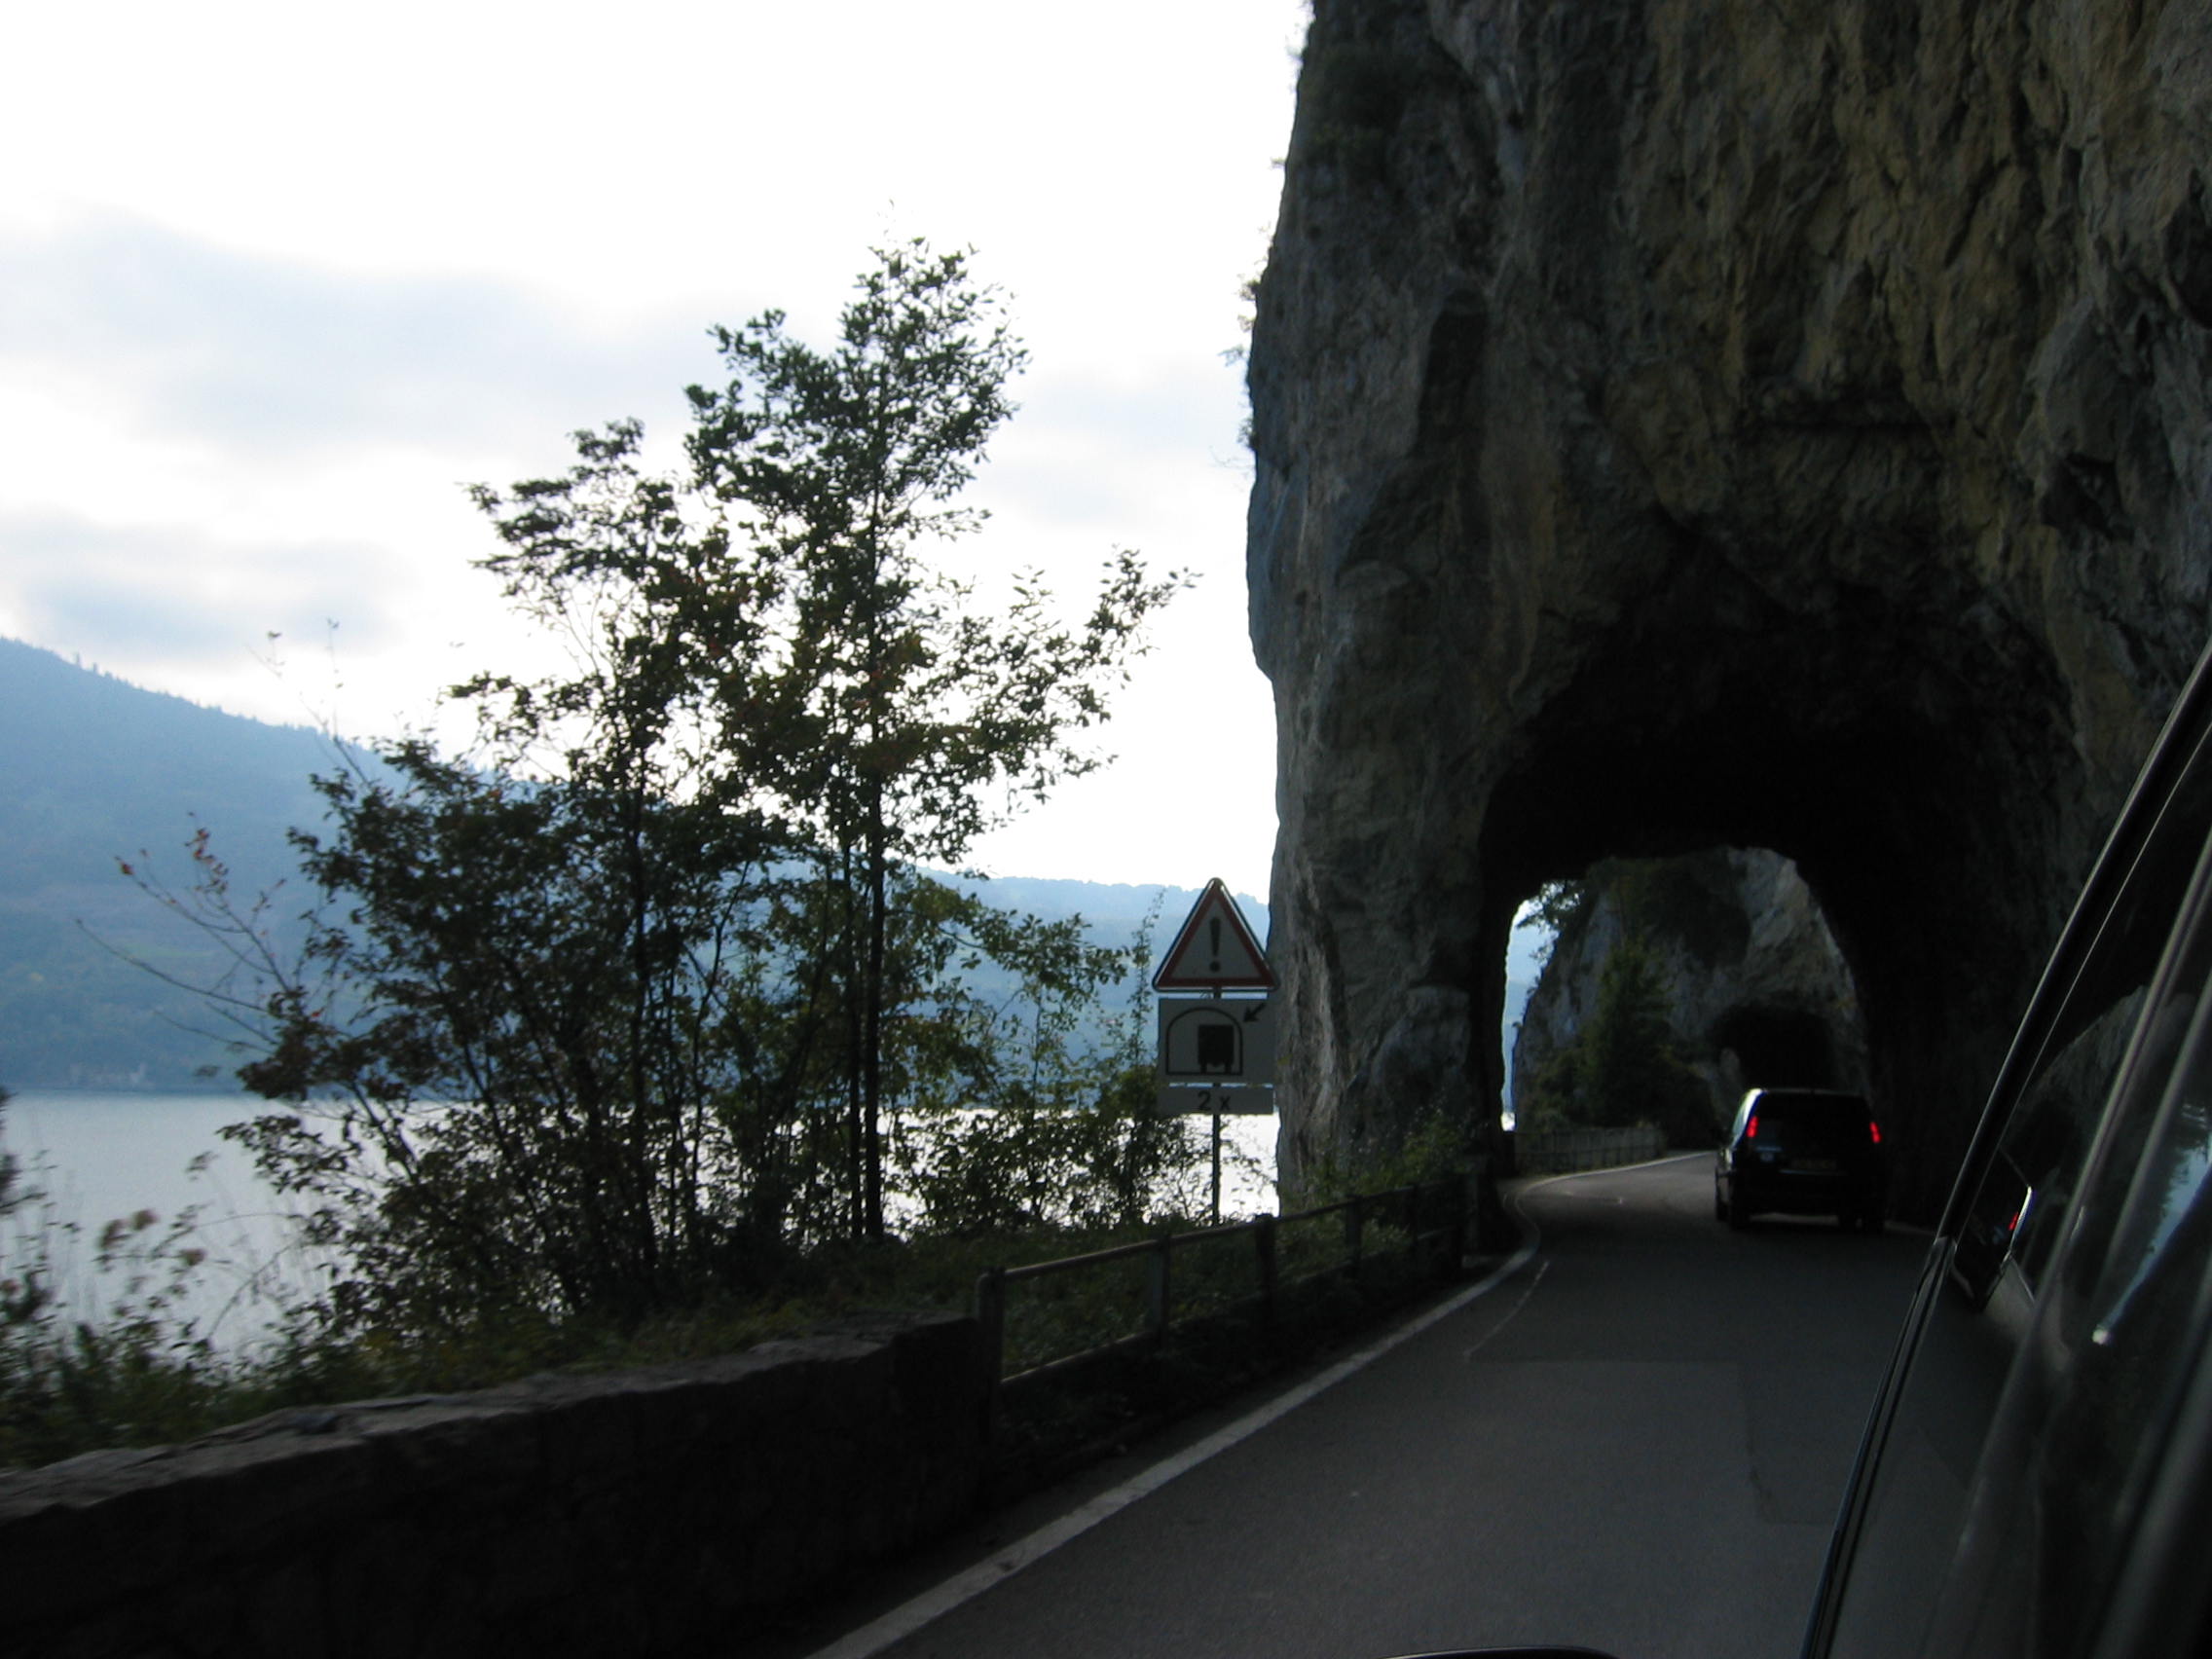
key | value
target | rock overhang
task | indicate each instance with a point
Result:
(1677, 427)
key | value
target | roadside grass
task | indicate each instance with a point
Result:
(137, 1372)
(69, 1387)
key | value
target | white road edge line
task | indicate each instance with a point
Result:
(933, 1603)
(1616, 1169)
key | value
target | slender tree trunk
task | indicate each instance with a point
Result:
(878, 886)
(856, 1049)
(645, 1225)
(878, 914)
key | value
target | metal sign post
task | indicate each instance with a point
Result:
(1213, 1215)
(1217, 1052)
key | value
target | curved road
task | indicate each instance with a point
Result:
(1635, 1442)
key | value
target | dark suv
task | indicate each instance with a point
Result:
(1802, 1152)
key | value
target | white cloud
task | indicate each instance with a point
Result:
(168, 590)
(274, 356)
(283, 278)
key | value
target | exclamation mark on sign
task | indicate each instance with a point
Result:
(1214, 922)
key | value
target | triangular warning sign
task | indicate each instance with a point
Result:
(1215, 950)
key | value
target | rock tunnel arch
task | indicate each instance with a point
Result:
(1908, 772)
(1747, 972)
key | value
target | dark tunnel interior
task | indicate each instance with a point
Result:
(1779, 1046)
(1916, 784)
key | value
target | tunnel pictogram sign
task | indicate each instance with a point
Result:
(1217, 1040)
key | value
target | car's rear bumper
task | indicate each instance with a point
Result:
(1784, 1193)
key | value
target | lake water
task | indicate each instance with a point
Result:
(101, 1155)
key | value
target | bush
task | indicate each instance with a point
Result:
(1623, 1069)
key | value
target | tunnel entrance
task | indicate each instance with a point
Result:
(1670, 986)
(1776, 1045)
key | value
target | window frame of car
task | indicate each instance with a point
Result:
(1971, 1265)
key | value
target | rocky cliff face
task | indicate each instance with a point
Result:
(1690, 422)
(1756, 988)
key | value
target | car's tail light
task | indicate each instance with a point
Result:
(1751, 1129)
(1875, 1130)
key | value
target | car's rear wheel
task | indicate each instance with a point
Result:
(1736, 1212)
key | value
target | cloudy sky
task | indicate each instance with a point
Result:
(277, 281)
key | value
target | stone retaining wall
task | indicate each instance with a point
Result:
(648, 1512)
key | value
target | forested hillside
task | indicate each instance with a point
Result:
(93, 771)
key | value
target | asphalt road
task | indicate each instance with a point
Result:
(1637, 1443)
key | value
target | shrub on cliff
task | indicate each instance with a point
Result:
(1622, 1068)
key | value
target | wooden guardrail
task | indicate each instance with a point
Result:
(1434, 1217)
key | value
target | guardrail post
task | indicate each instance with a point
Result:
(990, 1315)
(1157, 1308)
(1264, 1243)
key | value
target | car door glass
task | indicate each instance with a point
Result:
(2057, 1487)
(2134, 1272)
(1988, 1277)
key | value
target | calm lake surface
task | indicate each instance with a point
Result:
(104, 1156)
(101, 1157)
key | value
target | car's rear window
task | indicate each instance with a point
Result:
(1811, 1117)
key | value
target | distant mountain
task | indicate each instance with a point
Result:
(94, 770)
(1112, 912)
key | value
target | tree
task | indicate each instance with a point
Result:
(910, 709)
(1556, 906)
(611, 1010)
(1625, 1069)
(1072, 1137)
(560, 1084)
